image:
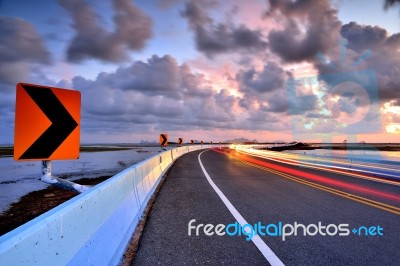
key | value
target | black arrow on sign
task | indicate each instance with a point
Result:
(164, 140)
(180, 140)
(62, 123)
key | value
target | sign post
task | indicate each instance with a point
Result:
(47, 127)
(59, 182)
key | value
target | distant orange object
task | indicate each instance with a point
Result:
(163, 139)
(47, 123)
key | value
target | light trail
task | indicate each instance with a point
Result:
(309, 176)
(330, 168)
(371, 171)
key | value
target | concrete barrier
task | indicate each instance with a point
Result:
(94, 227)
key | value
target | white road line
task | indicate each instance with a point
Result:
(260, 244)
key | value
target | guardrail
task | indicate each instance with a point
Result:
(94, 227)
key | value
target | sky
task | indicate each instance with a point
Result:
(212, 70)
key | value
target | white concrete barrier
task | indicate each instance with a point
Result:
(94, 227)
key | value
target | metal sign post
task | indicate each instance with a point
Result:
(59, 182)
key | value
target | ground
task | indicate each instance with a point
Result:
(37, 202)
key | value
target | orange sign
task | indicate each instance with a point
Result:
(47, 123)
(163, 139)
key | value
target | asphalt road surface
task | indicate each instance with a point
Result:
(224, 187)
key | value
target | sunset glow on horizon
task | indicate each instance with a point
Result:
(210, 70)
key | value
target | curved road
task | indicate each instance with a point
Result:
(232, 187)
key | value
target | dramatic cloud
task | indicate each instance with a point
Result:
(19, 41)
(309, 27)
(215, 38)
(238, 79)
(157, 76)
(11, 73)
(20, 46)
(132, 30)
(265, 95)
(156, 93)
(160, 94)
(270, 78)
(391, 3)
(363, 37)
(383, 59)
(341, 76)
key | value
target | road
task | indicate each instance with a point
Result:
(222, 186)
